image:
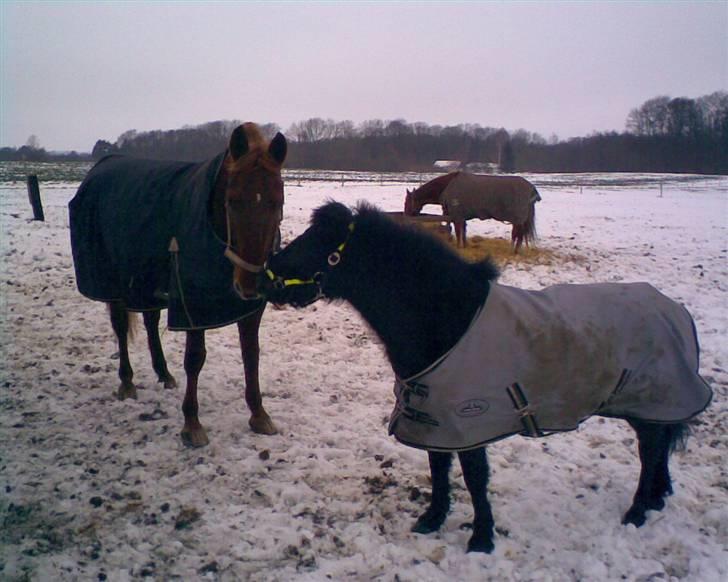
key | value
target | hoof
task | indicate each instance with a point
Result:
(169, 383)
(262, 424)
(635, 516)
(126, 391)
(428, 522)
(480, 545)
(194, 438)
(637, 513)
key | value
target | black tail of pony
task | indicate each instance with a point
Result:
(678, 436)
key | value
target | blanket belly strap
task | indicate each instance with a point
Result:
(520, 403)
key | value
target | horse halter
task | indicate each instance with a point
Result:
(230, 253)
(317, 279)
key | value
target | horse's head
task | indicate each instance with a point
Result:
(253, 203)
(299, 273)
(411, 205)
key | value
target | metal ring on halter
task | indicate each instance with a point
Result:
(334, 258)
(279, 284)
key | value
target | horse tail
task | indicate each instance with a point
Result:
(678, 434)
(133, 324)
(130, 318)
(529, 227)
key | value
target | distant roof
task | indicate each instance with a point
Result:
(447, 163)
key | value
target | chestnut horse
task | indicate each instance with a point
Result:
(463, 196)
(191, 237)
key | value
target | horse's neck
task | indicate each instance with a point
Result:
(431, 192)
(415, 336)
(417, 325)
(217, 203)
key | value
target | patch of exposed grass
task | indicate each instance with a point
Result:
(499, 249)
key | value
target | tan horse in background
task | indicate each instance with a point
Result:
(462, 196)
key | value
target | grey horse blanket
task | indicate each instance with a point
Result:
(124, 219)
(535, 362)
(503, 198)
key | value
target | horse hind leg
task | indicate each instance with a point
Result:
(159, 363)
(120, 323)
(517, 238)
(655, 443)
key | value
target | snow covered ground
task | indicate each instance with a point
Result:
(90, 490)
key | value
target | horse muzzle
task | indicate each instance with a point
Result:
(244, 270)
(247, 294)
(292, 291)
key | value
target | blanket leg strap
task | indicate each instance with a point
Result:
(524, 411)
(174, 250)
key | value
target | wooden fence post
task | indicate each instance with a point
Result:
(34, 197)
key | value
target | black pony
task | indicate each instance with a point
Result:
(421, 297)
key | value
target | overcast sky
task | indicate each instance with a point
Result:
(73, 72)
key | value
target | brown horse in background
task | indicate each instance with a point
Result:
(463, 196)
(190, 237)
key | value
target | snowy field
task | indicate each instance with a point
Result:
(96, 489)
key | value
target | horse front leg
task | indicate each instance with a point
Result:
(193, 434)
(120, 324)
(159, 363)
(460, 233)
(475, 473)
(248, 328)
(435, 515)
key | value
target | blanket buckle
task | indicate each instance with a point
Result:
(520, 403)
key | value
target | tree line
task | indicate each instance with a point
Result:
(662, 135)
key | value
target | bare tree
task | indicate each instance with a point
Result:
(372, 128)
(651, 118)
(33, 142)
(345, 130)
(312, 130)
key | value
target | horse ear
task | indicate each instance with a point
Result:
(238, 142)
(278, 148)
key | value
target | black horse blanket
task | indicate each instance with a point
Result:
(141, 233)
(535, 362)
(503, 198)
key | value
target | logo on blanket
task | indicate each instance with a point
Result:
(474, 407)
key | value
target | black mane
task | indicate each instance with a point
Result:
(421, 264)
